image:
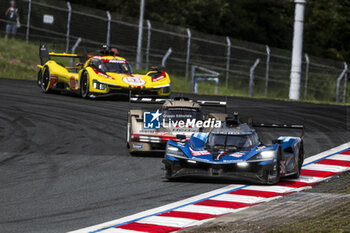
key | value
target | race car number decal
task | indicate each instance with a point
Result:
(237, 154)
(134, 81)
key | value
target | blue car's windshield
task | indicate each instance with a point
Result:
(232, 141)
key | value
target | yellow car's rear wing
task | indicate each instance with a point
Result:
(52, 54)
(45, 55)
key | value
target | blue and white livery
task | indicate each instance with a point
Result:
(234, 151)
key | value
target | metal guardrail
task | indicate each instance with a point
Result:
(207, 75)
(341, 76)
(251, 79)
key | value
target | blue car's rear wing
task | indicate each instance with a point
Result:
(281, 126)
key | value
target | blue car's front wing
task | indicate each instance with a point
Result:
(256, 172)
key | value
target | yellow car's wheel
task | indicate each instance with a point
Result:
(40, 78)
(46, 79)
(85, 85)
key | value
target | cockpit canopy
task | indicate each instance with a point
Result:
(111, 65)
(232, 141)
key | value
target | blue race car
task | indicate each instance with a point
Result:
(234, 151)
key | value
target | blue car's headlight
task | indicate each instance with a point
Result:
(175, 152)
(264, 156)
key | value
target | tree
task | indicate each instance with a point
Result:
(327, 24)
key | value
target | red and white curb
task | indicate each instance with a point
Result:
(230, 199)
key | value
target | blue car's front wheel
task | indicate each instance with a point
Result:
(299, 164)
(273, 176)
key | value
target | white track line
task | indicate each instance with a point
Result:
(340, 157)
(119, 230)
(327, 168)
(327, 152)
(239, 198)
(168, 221)
(206, 209)
(274, 188)
(158, 209)
(310, 179)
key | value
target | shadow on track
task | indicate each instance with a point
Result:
(214, 180)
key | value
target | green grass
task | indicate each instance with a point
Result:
(19, 60)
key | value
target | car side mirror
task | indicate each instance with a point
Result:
(157, 68)
(180, 137)
(277, 141)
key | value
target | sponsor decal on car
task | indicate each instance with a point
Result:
(231, 161)
(138, 146)
(103, 74)
(134, 81)
(260, 148)
(199, 153)
(150, 131)
(237, 154)
(158, 78)
(113, 61)
(201, 160)
(73, 82)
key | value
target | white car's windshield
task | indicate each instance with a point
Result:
(181, 114)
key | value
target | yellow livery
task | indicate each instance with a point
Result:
(99, 75)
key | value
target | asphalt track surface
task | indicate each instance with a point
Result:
(64, 165)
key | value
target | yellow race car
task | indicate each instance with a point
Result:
(95, 75)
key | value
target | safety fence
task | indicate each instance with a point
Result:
(244, 68)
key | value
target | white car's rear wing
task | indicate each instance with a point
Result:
(161, 101)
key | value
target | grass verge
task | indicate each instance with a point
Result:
(18, 59)
(335, 220)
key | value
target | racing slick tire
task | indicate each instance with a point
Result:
(40, 78)
(45, 79)
(300, 164)
(276, 177)
(84, 85)
(168, 173)
(127, 136)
